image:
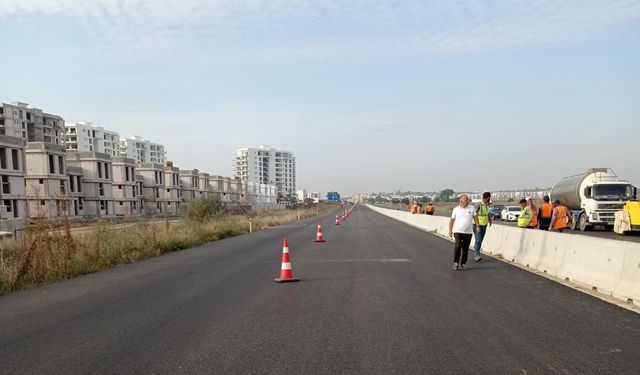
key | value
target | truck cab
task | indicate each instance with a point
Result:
(600, 203)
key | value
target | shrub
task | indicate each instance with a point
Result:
(203, 209)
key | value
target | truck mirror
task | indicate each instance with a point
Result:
(587, 192)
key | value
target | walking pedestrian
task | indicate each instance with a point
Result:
(484, 220)
(544, 213)
(461, 229)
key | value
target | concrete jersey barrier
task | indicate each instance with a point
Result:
(609, 266)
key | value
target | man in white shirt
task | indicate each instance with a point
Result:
(461, 228)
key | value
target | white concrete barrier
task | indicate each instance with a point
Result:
(611, 267)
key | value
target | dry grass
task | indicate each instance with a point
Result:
(49, 252)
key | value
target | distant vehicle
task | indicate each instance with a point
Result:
(593, 197)
(510, 213)
(496, 211)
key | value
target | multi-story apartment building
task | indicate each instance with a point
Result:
(84, 136)
(172, 190)
(127, 201)
(190, 184)
(266, 165)
(30, 124)
(153, 186)
(97, 182)
(142, 151)
(46, 180)
(204, 185)
(76, 192)
(262, 196)
(12, 191)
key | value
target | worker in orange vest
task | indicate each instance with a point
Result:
(544, 214)
(534, 213)
(560, 217)
(430, 209)
(414, 208)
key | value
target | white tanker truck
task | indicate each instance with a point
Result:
(593, 197)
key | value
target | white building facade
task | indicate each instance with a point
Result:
(86, 137)
(266, 165)
(142, 151)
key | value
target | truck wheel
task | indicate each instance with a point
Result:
(582, 222)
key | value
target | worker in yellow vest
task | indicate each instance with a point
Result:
(484, 220)
(525, 214)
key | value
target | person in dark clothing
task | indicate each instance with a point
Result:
(544, 213)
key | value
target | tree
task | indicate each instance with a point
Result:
(424, 199)
(405, 201)
(445, 195)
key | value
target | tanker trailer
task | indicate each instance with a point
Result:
(593, 197)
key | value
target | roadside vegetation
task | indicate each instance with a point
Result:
(49, 252)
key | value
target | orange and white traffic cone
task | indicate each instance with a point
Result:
(286, 275)
(337, 220)
(319, 237)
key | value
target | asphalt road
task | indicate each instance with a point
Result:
(378, 297)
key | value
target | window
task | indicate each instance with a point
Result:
(126, 170)
(103, 205)
(6, 187)
(61, 164)
(62, 188)
(101, 189)
(72, 187)
(3, 158)
(40, 181)
(106, 170)
(121, 203)
(99, 170)
(79, 184)
(80, 201)
(52, 167)
(14, 160)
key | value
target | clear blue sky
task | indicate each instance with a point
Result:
(368, 94)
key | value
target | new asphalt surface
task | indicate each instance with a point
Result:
(378, 297)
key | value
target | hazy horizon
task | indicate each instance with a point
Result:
(468, 95)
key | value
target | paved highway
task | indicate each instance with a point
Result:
(379, 297)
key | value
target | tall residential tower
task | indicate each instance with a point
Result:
(266, 165)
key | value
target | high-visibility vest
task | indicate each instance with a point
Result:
(562, 218)
(534, 219)
(546, 211)
(414, 208)
(525, 217)
(430, 209)
(483, 214)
